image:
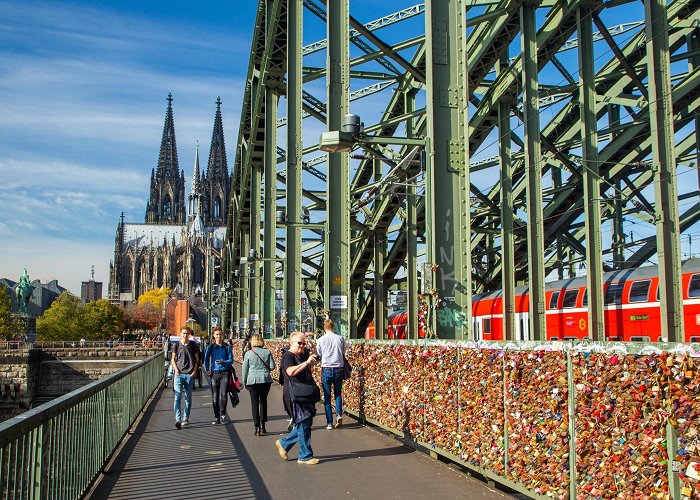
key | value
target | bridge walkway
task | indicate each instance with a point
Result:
(227, 461)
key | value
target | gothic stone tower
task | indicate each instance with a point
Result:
(167, 201)
(216, 185)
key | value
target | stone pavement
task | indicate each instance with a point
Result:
(227, 461)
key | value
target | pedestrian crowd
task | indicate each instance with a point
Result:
(300, 392)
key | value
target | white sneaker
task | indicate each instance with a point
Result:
(338, 422)
(225, 420)
(329, 427)
(185, 422)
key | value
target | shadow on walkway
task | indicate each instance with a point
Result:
(206, 461)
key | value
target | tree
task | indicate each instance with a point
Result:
(156, 297)
(102, 320)
(8, 325)
(62, 321)
(143, 316)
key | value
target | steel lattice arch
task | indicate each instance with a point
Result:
(503, 143)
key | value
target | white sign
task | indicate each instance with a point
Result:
(339, 301)
(214, 320)
(243, 322)
(254, 317)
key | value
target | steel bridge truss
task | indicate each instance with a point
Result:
(504, 143)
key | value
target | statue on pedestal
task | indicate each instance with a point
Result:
(24, 291)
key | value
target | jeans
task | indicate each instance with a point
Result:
(332, 377)
(258, 400)
(183, 383)
(219, 392)
(301, 433)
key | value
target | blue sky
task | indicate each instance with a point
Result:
(83, 89)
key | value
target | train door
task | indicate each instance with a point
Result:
(475, 327)
(522, 326)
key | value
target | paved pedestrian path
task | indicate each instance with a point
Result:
(227, 461)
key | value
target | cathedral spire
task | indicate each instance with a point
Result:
(195, 197)
(217, 181)
(167, 201)
(167, 159)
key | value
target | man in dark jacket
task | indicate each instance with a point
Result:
(185, 362)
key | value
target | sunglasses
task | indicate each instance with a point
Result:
(301, 343)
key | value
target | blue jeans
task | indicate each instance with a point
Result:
(183, 383)
(332, 377)
(301, 433)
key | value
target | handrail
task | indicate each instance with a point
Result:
(57, 449)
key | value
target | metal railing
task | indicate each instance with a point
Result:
(57, 449)
(76, 344)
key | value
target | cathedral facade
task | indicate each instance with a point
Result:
(181, 237)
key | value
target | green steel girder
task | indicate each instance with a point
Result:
(623, 152)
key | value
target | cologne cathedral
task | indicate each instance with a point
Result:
(181, 237)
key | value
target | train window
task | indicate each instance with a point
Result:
(639, 291)
(569, 298)
(615, 338)
(640, 338)
(553, 300)
(613, 294)
(487, 326)
(584, 301)
(694, 287)
(695, 339)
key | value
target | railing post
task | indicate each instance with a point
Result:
(105, 406)
(572, 424)
(505, 415)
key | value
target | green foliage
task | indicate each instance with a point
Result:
(102, 320)
(8, 326)
(68, 319)
(61, 321)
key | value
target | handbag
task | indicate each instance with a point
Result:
(233, 388)
(303, 394)
(347, 368)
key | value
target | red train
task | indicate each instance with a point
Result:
(631, 308)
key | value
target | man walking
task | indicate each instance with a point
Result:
(331, 349)
(185, 362)
(217, 362)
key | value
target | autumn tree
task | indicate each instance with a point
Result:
(62, 321)
(156, 297)
(144, 316)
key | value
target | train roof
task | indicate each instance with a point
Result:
(619, 276)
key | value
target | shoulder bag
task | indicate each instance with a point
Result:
(301, 393)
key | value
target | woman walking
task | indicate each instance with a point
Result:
(257, 365)
(218, 361)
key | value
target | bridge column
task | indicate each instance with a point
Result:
(590, 171)
(507, 236)
(292, 270)
(668, 236)
(270, 227)
(533, 168)
(411, 232)
(448, 222)
(337, 297)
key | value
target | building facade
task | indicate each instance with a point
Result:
(180, 243)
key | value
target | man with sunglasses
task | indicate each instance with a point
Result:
(298, 372)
